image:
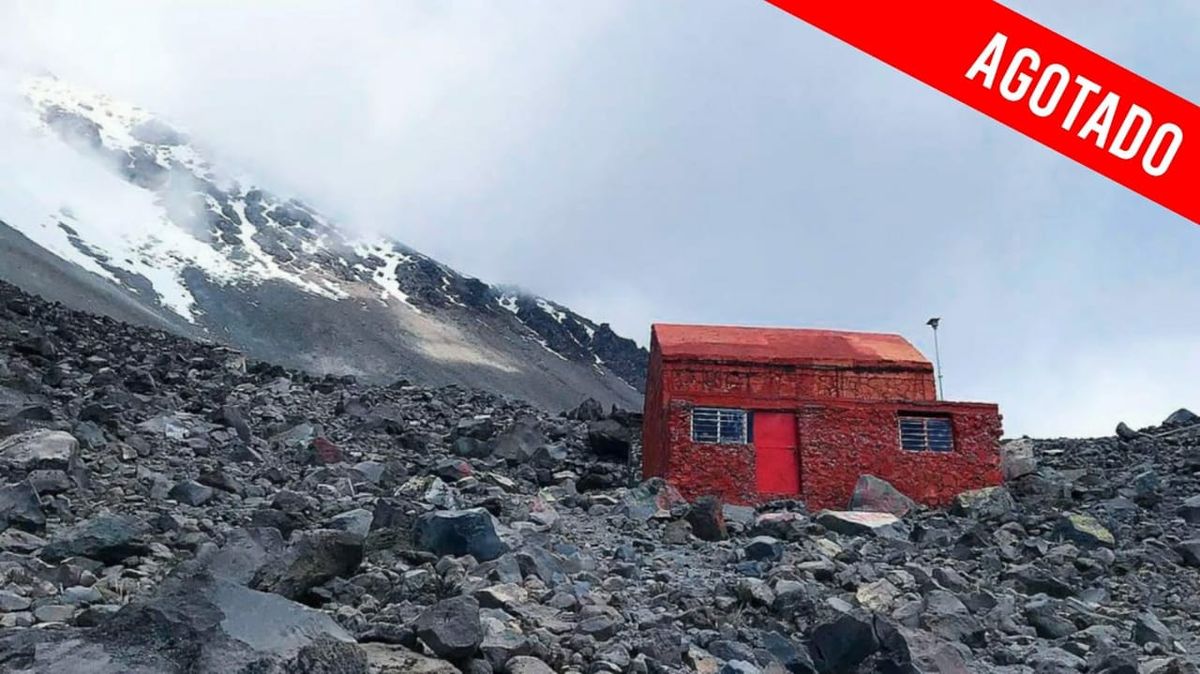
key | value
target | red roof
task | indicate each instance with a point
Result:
(785, 345)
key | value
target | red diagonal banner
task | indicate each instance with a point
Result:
(1034, 80)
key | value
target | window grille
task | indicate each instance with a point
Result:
(926, 434)
(721, 426)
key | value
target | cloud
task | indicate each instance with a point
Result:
(702, 161)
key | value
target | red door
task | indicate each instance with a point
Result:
(777, 466)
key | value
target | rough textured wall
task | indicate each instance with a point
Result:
(701, 469)
(841, 441)
(712, 382)
(654, 432)
(847, 427)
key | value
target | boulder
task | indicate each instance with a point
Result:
(913, 651)
(652, 499)
(20, 507)
(1182, 417)
(451, 628)
(794, 658)
(518, 444)
(1189, 510)
(470, 448)
(393, 659)
(839, 646)
(1084, 530)
(609, 439)
(1017, 459)
(196, 623)
(861, 523)
(312, 558)
(479, 428)
(1189, 552)
(356, 522)
(464, 532)
(1126, 433)
(875, 495)
(764, 548)
(527, 664)
(190, 492)
(40, 449)
(588, 410)
(707, 519)
(104, 537)
(984, 504)
(245, 552)
(1148, 629)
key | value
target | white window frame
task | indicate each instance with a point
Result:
(928, 443)
(720, 416)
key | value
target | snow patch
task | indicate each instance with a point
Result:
(555, 313)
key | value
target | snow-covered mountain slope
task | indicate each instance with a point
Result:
(106, 208)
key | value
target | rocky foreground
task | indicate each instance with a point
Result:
(168, 507)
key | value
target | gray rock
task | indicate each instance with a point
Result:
(372, 471)
(518, 444)
(609, 439)
(466, 532)
(451, 628)
(794, 658)
(1189, 510)
(1084, 530)
(917, 652)
(1181, 417)
(190, 492)
(1126, 433)
(764, 548)
(393, 659)
(1017, 459)
(39, 449)
(20, 506)
(1189, 551)
(1148, 629)
(739, 667)
(312, 558)
(859, 523)
(51, 481)
(104, 537)
(54, 613)
(356, 522)
(840, 645)
(196, 624)
(875, 495)
(244, 553)
(708, 519)
(10, 601)
(526, 664)
(984, 504)
(470, 448)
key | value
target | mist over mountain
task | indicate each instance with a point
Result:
(113, 210)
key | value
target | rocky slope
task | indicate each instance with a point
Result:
(169, 506)
(108, 208)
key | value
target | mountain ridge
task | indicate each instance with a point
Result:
(133, 221)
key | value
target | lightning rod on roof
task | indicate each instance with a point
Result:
(937, 356)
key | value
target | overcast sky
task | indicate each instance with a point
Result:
(707, 161)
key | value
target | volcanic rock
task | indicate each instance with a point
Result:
(875, 495)
(451, 628)
(707, 519)
(21, 507)
(466, 532)
(106, 537)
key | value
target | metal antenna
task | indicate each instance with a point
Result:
(937, 356)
